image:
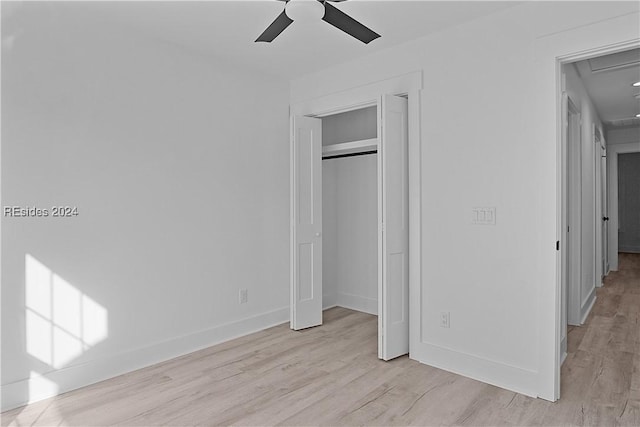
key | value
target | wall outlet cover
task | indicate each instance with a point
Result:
(444, 319)
(243, 296)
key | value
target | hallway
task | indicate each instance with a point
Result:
(602, 369)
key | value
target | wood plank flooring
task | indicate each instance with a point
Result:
(330, 375)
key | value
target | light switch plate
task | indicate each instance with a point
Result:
(483, 216)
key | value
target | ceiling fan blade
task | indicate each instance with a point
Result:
(344, 22)
(276, 27)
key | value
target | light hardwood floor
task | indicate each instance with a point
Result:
(330, 375)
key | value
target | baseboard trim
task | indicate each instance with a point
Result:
(358, 303)
(629, 250)
(499, 374)
(329, 301)
(59, 381)
(589, 303)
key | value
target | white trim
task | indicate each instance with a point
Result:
(358, 303)
(415, 222)
(358, 97)
(409, 84)
(345, 109)
(573, 208)
(551, 51)
(500, 374)
(329, 301)
(350, 147)
(381, 331)
(585, 312)
(563, 345)
(630, 249)
(292, 227)
(613, 151)
(76, 376)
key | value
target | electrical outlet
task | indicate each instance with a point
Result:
(243, 296)
(444, 319)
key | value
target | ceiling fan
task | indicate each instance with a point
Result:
(332, 15)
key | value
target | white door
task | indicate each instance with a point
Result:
(306, 223)
(393, 265)
(574, 241)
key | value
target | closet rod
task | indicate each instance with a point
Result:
(337, 156)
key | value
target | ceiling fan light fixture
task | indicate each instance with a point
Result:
(310, 11)
(304, 10)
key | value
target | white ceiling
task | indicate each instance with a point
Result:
(608, 80)
(226, 30)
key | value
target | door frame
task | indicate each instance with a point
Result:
(572, 260)
(410, 86)
(598, 146)
(612, 171)
(604, 208)
(552, 52)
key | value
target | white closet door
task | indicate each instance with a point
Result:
(306, 223)
(393, 301)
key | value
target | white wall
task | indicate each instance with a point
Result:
(330, 246)
(178, 165)
(350, 244)
(623, 135)
(481, 147)
(590, 228)
(350, 126)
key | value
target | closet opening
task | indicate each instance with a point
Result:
(350, 210)
(350, 218)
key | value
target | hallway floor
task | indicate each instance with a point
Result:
(330, 375)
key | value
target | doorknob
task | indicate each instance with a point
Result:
(605, 218)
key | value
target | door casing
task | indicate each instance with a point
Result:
(558, 49)
(410, 86)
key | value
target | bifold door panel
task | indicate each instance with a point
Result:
(393, 322)
(306, 233)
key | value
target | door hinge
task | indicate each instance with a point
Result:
(557, 245)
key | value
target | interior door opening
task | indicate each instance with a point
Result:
(629, 203)
(594, 112)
